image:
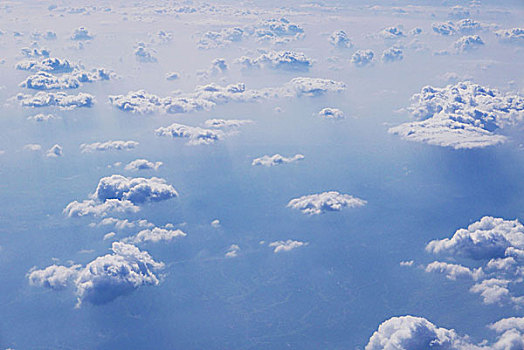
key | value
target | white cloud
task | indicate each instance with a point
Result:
(362, 58)
(286, 246)
(56, 99)
(142, 164)
(196, 135)
(96, 208)
(468, 43)
(145, 54)
(105, 278)
(340, 39)
(33, 147)
(444, 28)
(324, 202)
(287, 60)
(172, 76)
(109, 235)
(81, 34)
(454, 271)
(506, 324)
(55, 151)
(226, 123)
(123, 224)
(392, 54)
(156, 235)
(463, 115)
(47, 81)
(108, 146)
(391, 33)
(52, 65)
(34, 52)
(514, 35)
(276, 159)
(232, 251)
(215, 223)
(407, 263)
(331, 113)
(40, 117)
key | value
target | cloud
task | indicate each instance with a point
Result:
(47, 81)
(362, 58)
(392, 54)
(34, 52)
(514, 35)
(340, 39)
(315, 204)
(507, 324)
(414, 333)
(276, 159)
(40, 117)
(462, 116)
(156, 235)
(172, 76)
(454, 271)
(81, 34)
(206, 97)
(56, 99)
(391, 33)
(121, 194)
(196, 135)
(33, 147)
(55, 151)
(222, 38)
(444, 28)
(286, 246)
(144, 54)
(108, 146)
(226, 123)
(142, 164)
(407, 263)
(50, 65)
(331, 113)
(232, 251)
(106, 278)
(122, 224)
(287, 60)
(215, 223)
(468, 43)
(492, 290)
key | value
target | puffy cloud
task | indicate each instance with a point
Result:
(454, 271)
(507, 324)
(362, 58)
(286, 246)
(492, 290)
(33, 52)
(40, 117)
(222, 38)
(469, 26)
(33, 147)
(207, 96)
(444, 28)
(458, 12)
(108, 146)
(47, 81)
(144, 54)
(156, 235)
(123, 224)
(391, 33)
(48, 35)
(215, 223)
(407, 263)
(55, 151)
(340, 40)
(276, 159)
(468, 43)
(196, 135)
(81, 34)
(56, 99)
(324, 202)
(232, 251)
(414, 333)
(392, 54)
(463, 115)
(105, 278)
(142, 164)
(117, 193)
(172, 75)
(514, 35)
(288, 60)
(53, 65)
(226, 123)
(487, 238)
(331, 113)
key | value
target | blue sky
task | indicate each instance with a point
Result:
(327, 246)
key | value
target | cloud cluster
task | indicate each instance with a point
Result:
(462, 116)
(34, 52)
(287, 60)
(464, 26)
(391, 33)
(156, 235)
(142, 164)
(121, 194)
(340, 39)
(276, 159)
(81, 34)
(495, 243)
(362, 58)
(105, 278)
(60, 100)
(321, 203)
(40, 117)
(144, 54)
(392, 54)
(416, 333)
(47, 81)
(331, 113)
(226, 123)
(206, 97)
(118, 145)
(514, 35)
(195, 135)
(50, 65)
(468, 43)
(286, 246)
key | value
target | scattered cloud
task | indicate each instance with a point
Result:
(142, 164)
(286, 246)
(145, 54)
(50, 65)
(232, 251)
(392, 54)
(321, 203)
(331, 113)
(468, 43)
(81, 34)
(56, 99)
(514, 35)
(276, 159)
(287, 60)
(108, 146)
(340, 39)
(55, 151)
(196, 135)
(40, 117)
(362, 58)
(155, 235)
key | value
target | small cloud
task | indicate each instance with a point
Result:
(81, 34)
(340, 39)
(286, 246)
(407, 263)
(215, 223)
(40, 117)
(392, 54)
(232, 251)
(172, 76)
(33, 147)
(55, 151)
(276, 159)
(108, 146)
(362, 58)
(331, 113)
(321, 203)
(142, 164)
(144, 54)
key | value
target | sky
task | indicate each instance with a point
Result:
(262, 175)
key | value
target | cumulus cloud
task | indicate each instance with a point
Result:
(288, 60)
(40, 117)
(331, 113)
(172, 76)
(59, 99)
(468, 43)
(81, 34)
(118, 145)
(142, 164)
(33, 147)
(105, 278)
(320, 203)
(195, 135)
(215, 223)
(145, 54)
(117, 193)
(454, 271)
(50, 65)
(232, 251)
(286, 246)
(362, 58)
(340, 39)
(34, 52)
(55, 151)
(514, 35)
(226, 123)
(392, 54)
(47, 81)
(391, 33)
(444, 28)
(462, 116)
(156, 235)
(276, 159)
